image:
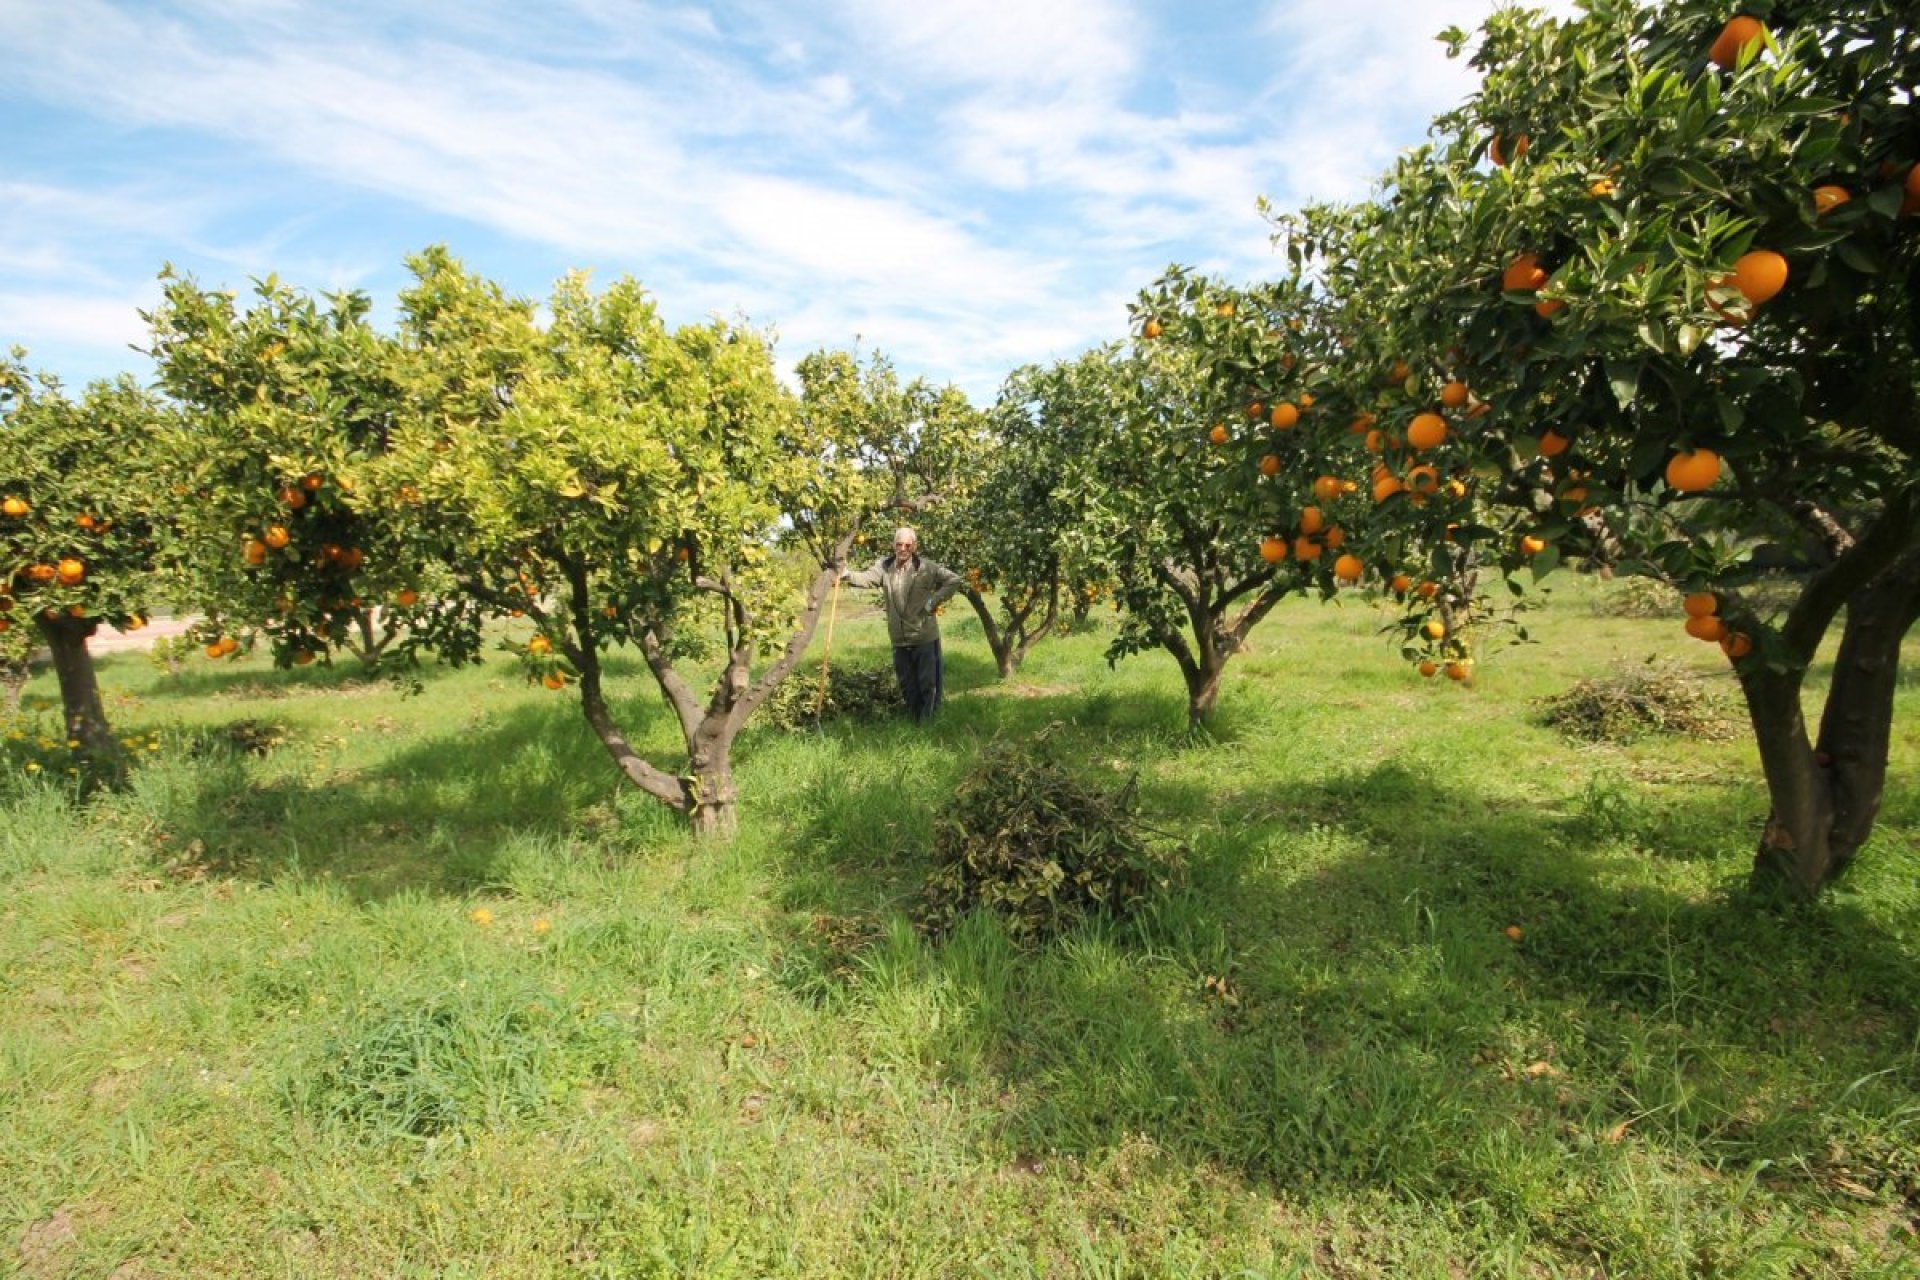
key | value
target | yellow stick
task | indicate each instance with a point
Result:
(833, 610)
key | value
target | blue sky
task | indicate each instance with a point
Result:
(966, 186)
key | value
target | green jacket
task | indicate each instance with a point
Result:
(912, 593)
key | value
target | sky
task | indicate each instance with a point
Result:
(962, 186)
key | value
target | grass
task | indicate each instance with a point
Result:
(421, 990)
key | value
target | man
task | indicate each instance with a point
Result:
(913, 587)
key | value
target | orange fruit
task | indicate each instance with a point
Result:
(1335, 537)
(1219, 433)
(71, 572)
(1733, 40)
(42, 572)
(254, 552)
(302, 657)
(311, 481)
(1257, 409)
(1348, 568)
(294, 498)
(1152, 329)
(1701, 604)
(1426, 430)
(1553, 444)
(276, 536)
(1532, 546)
(1399, 373)
(1270, 464)
(1601, 188)
(15, 507)
(1361, 424)
(1326, 488)
(1545, 307)
(1456, 671)
(1429, 667)
(1306, 549)
(217, 649)
(1386, 486)
(1401, 582)
(1454, 394)
(539, 645)
(1285, 415)
(1829, 197)
(1497, 151)
(1759, 275)
(555, 680)
(1423, 479)
(1513, 931)
(1428, 589)
(1435, 629)
(407, 598)
(1523, 275)
(1306, 401)
(1693, 470)
(1736, 644)
(1706, 628)
(1273, 550)
(1312, 520)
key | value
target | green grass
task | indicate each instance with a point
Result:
(422, 990)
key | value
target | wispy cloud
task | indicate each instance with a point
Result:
(967, 185)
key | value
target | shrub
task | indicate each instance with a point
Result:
(1041, 847)
(1634, 701)
(853, 693)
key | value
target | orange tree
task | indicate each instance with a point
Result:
(290, 407)
(81, 526)
(1018, 525)
(620, 483)
(1653, 293)
(1170, 471)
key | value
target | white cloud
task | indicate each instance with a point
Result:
(968, 185)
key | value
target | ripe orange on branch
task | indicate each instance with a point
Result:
(1733, 40)
(1426, 430)
(1497, 149)
(15, 507)
(1285, 415)
(1701, 604)
(1759, 275)
(1693, 470)
(1523, 275)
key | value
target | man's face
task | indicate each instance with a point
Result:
(903, 549)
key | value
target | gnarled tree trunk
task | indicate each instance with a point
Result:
(1825, 794)
(84, 714)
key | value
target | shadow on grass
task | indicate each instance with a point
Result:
(433, 817)
(1377, 981)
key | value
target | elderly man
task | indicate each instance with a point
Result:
(913, 587)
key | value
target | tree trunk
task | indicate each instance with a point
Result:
(1001, 646)
(1825, 796)
(85, 715)
(1203, 690)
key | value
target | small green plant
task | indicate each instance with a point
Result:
(1634, 701)
(1042, 847)
(473, 1056)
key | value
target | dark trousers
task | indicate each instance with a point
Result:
(917, 668)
